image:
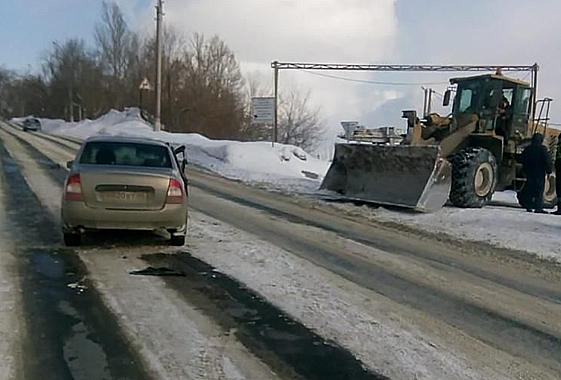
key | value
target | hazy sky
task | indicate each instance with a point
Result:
(346, 31)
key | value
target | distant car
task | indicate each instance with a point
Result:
(31, 124)
(125, 183)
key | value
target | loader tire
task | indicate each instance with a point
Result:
(474, 177)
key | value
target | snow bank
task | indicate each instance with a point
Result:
(282, 166)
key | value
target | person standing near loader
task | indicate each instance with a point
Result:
(558, 175)
(536, 163)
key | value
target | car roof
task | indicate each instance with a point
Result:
(131, 139)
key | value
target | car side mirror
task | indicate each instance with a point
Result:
(69, 164)
(446, 99)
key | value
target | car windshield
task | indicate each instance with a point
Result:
(126, 153)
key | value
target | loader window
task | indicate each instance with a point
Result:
(521, 108)
(468, 100)
(507, 93)
(522, 101)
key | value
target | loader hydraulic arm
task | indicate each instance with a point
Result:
(466, 124)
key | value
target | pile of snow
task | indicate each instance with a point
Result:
(280, 166)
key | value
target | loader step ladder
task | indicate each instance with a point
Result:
(544, 105)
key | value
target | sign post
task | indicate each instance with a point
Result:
(276, 104)
(263, 112)
(143, 86)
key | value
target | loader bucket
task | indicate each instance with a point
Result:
(409, 176)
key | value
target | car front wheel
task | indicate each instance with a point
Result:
(177, 240)
(72, 240)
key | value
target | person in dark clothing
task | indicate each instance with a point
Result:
(558, 175)
(536, 163)
(502, 127)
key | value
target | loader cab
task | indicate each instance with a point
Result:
(502, 104)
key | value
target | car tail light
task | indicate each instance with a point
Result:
(175, 192)
(73, 191)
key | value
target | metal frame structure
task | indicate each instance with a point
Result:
(276, 66)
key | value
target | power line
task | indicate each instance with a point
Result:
(372, 82)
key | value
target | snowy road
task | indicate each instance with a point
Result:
(407, 307)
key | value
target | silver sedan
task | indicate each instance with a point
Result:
(125, 183)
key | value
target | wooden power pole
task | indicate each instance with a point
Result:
(159, 11)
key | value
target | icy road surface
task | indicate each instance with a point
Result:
(407, 307)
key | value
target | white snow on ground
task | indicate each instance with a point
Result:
(381, 336)
(502, 223)
(282, 167)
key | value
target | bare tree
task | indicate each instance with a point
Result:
(6, 98)
(211, 89)
(74, 80)
(113, 39)
(203, 88)
(300, 123)
(173, 49)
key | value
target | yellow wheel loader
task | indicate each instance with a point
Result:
(463, 158)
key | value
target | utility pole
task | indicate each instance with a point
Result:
(159, 12)
(71, 104)
(275, 122)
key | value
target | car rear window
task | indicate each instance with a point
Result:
(126, 153)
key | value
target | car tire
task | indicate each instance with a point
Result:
(177, 240)
(72, 240)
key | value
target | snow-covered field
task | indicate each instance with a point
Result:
(289, 169)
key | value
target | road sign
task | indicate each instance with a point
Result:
(144, 85)
(263, 110)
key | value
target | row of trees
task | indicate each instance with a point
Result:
(203, 89)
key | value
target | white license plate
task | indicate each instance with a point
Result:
(124, 196)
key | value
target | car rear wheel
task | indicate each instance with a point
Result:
(177, 240)
(72, 240)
